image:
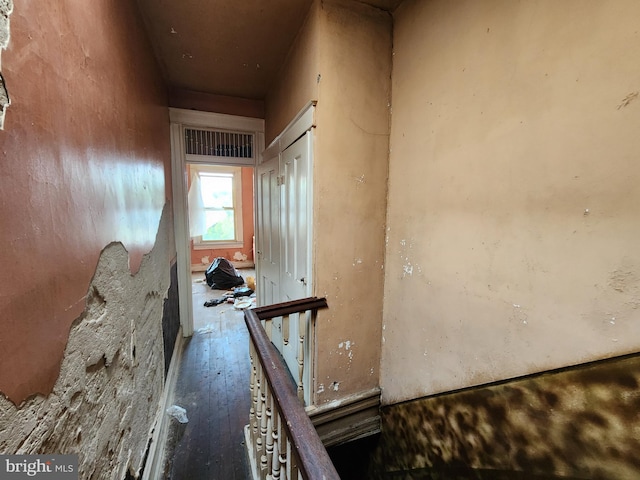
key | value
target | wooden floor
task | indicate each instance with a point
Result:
(213, 387)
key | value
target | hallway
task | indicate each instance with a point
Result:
(213, 387)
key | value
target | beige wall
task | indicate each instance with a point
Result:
(513, 193)
(342, 59)
(350, 176)
(297, 83)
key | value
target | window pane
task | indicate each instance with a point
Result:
(220, 225)
(217, 191)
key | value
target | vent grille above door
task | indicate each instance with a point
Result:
(218, 143)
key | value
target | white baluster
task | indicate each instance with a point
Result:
(270, 414)
(275, 469)
(302, 328)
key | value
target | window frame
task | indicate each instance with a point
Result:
(236, 172)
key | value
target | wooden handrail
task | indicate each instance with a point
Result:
(287, 308)
(312, 459)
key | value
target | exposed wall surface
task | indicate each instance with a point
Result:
(247, 228)
(103, 403)
(342, 59)
(579, 423)
(170, 317)
(83, 165)
(351, 147)
(6, 8)
(512, 219)
(297, 84)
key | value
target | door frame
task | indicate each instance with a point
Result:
(180, 119)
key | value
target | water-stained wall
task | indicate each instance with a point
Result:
(82, 165)
(513, 201)
(579, 423)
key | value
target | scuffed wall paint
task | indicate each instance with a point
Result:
(512, 212)
(105, 400)
(580, 423)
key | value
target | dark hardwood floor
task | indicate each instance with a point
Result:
(213, 387)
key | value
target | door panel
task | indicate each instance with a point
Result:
(268, 238)
(295, 251)
(295, 223)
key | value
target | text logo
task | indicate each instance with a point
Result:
(50, 467)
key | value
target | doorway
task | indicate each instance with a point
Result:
(222, 148)
(221, 222)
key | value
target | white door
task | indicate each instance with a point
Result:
(295, 259)
(268, 235)
(283, 250)
(295, 219)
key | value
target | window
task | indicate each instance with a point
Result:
(215, 206)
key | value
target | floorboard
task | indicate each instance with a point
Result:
(213, 387)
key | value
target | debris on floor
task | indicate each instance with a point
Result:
(229, 296)
(179, 413)
(243, 302)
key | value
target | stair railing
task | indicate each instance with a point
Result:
(281, 440)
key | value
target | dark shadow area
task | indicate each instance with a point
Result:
(352, 459)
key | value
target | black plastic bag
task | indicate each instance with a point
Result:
(222, 275)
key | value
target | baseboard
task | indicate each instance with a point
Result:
(253, 463)
(203, 268)
(347, 419)
(154, 468)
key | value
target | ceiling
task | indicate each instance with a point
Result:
(226, 47)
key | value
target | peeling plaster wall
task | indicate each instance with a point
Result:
(513, 201)
(84, 162)
(342, 59)
(104, 402)
(6, 8)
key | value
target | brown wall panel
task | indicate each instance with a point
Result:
(84, 152)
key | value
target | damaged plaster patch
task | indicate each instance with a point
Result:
(346, 345)
(6, 8)
(407, 266)
(4, 101)
(104, 402)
